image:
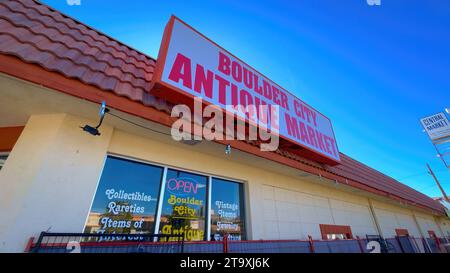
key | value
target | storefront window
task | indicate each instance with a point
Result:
(184, 205)
(227, 210)
(3, 158)
(130, 197)
(126, 198)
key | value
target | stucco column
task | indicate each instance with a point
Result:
(50, 178)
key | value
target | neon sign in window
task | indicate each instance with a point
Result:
(184, 205)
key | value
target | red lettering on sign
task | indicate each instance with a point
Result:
(224, 64)
(284, 100)
(262, 111)
(320, 140)
(297, 109)
(234, 95)
(276, 93)
(292, 126)
(246, 100)
(312, 136)
(248, 78)
(181, 70)
(236, 71)
(267, 90)
(223, 84)
(257, 88)
(305, 113)
(303, 133)
(203, 81)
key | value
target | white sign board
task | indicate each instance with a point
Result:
(437, 126)
(194, 66)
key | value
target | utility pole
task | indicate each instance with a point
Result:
(437, 182)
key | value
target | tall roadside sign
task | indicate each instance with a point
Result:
(437, 127)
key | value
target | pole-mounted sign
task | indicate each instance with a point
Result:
(437, 126)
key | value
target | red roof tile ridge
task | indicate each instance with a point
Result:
(360, 176)
(383, 175)
(384, 183)
(114, 42)
(372, 169)
(50, 65)
(138, 63)
(363, 175)
(107, 41)
(388, 187)
(76, 60)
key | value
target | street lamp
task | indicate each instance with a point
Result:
(447, 110)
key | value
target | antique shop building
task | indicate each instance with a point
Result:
(133, 177)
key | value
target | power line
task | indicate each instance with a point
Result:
(417, 174)
(137, 124)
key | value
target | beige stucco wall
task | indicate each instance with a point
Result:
(428, 223)
(50, 178)
(444, 224)
(296, 211)
(279, 206)
(391, 217)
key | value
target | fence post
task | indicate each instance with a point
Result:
(311, 244)
(225, 243)
(359, 243)
(39, 241)
(29, 245)
(399, 243)
(426, 245)
(438, 243)
(416, 244)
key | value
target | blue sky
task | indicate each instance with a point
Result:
(373, 70)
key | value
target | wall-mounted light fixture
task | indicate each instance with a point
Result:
(228, 149)
(94, 130)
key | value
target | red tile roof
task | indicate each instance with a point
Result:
(38, 34)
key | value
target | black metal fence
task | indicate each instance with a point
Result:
(107, 243)
(157, 243)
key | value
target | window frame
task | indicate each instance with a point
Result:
(242, 205)
(99, 179)
(4, 154)
(432, 234)
(401, 232)
(331, 229)
(161, 197)
(162, 188)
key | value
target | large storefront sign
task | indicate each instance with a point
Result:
(190, 65)
(128, 194)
